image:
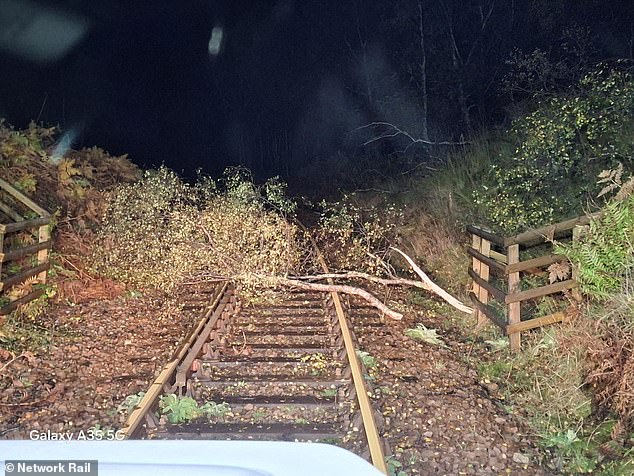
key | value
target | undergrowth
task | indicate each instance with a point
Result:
(71, 186)
(604, 253)
(573, 384)
(356, 237)
(546, 385)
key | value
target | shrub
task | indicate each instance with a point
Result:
(604, 259)
(71, 184)
(560, 148)
(356, 238)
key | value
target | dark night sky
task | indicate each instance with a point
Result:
(286, 88)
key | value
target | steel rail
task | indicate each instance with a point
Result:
(168, 372)
(367, 413)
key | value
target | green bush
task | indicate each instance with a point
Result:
(560, 148)
(353, 237)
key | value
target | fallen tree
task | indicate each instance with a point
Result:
(307, 282)
(425, 283)
(239, 230)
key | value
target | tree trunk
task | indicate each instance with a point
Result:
(423, 74)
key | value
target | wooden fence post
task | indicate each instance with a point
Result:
(577, 232)
(514, 308)
(1, 250)
(476, 243)
(483, 295)
(44, 234)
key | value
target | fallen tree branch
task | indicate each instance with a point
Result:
(426, 283)
(433, 287)
(393, 281)
(341, 288)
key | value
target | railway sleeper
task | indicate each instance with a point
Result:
(290, 330)
(293, 311)
(265, 432)
(287, 414)
(294, 322)
(263, 354)
(267, 370)
(291, 305)
(214, 389)
(275, 342)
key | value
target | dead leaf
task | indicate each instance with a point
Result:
(559, 271)
(30, 357)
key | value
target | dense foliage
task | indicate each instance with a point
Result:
(604, 254)
(160, 229)
(68, 186)
(355, 236)
(560, 149)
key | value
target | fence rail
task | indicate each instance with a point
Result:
(496, 263)
(24, 248)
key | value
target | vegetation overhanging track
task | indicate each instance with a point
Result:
(296, 358)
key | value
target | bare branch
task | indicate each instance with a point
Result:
(306, 282)
(341, 288)
(394, 131)
(368, 277)
(433, 287)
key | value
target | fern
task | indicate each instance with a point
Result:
(423, 334)
(605, 253)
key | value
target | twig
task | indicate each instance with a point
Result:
(12, 360)
(394, 131)
(82, 274)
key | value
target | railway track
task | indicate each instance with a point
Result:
(286, 370)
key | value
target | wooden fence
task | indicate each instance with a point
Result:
(497, 271)
(25, 241)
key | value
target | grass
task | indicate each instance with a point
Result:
(544, 385)
(447, 194)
